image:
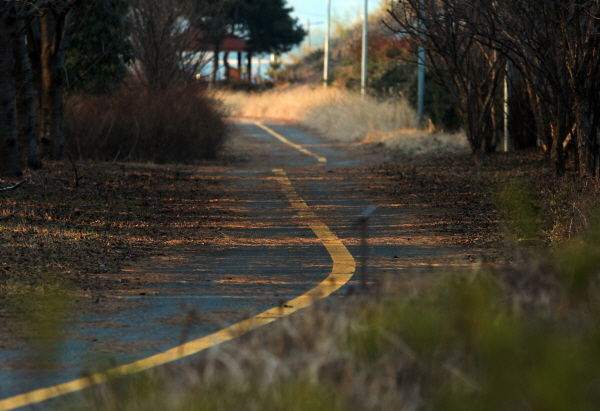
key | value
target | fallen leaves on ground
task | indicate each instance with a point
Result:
(86, 223)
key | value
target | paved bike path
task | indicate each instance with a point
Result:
(267, 256)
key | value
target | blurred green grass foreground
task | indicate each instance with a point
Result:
(524, 335)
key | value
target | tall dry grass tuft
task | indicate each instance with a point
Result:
(171, 126)
(344, 116)
(288, 104)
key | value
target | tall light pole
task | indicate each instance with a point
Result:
(421, 85)
(309, 26)
(365, 51)
(421, 75)
(326, 51)
(308, 33)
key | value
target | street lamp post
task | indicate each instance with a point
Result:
(365, 51)
(421, 86)
(308, 33)
(326, 51)
(421, 75)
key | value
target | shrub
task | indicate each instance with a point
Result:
(171, 126)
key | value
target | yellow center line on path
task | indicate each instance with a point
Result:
(288, 142)
(341, 272)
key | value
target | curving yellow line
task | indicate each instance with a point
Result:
(341, 272)
(289, 143)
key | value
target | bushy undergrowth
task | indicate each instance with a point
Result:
(569, 201)
(342, 115)
(545, 210)
(171, 126)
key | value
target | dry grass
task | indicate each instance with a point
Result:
(288, 104)
(417, 141)
(341, 115)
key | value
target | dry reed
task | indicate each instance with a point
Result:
(341, 115)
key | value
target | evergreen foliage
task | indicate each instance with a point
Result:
(271, 28)
(99, 51)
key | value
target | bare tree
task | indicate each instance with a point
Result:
(26, 104)
(552, 44)
(562, 66)
(475, 69)
(161, 37)
(9, 155)
(47, 39)
(17, 94)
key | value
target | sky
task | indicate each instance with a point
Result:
(316, 12)
(317, 9)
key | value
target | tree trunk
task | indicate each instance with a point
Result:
(474, 131)
(585, 88)
(249, 67)
(25, 100)
(9, 149)
(584, 135)
(34, 49)
(557, 152)
(226, 64)
(216, 60)
(54, 38)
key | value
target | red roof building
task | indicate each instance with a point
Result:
(230, 43)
